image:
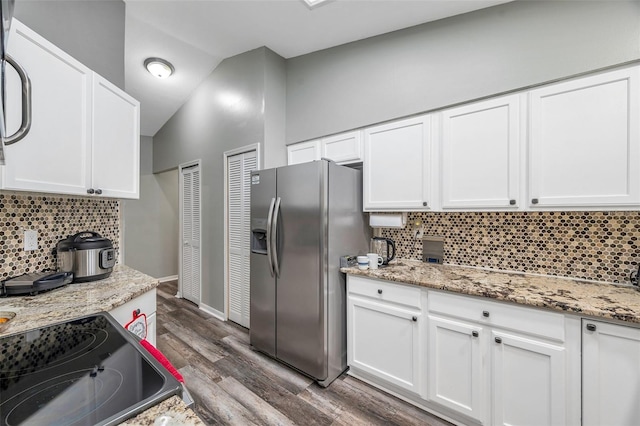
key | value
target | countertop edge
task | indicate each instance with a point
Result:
(578, 297)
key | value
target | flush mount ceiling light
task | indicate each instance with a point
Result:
(158, 67)
(315, 3)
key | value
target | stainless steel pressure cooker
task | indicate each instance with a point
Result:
(87, 254)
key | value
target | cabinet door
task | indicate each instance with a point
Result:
(584, 141)
(396, 165)
(384, 341)
(344, 148)
(528, 381)
(303, 152)
(610, 374)
(456, 376)
(480, 148)
(115, 141)
(54, 156)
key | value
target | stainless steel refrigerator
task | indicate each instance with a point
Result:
(303, 218)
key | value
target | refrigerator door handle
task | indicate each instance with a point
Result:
(269, 236)
(274, 239)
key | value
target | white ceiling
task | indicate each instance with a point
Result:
(195, 36)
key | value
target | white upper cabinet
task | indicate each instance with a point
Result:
(303, 152)
(115, 148)
(396, 165)
(480, 146)
(54, 156)
(85, 132)
(584, 142)
(344, 148)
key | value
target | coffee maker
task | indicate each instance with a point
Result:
(385, 248)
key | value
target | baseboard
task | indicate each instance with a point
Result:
(169, 278)
(216, 313)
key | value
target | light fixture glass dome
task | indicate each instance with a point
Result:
(158, 67)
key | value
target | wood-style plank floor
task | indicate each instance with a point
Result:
(233, 384)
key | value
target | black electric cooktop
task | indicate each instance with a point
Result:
(88, 371)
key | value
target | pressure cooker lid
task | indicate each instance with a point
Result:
(85, 240)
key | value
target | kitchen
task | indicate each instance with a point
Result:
(424, 68)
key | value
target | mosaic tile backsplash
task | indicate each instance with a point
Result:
(599, 246)
(54, 217)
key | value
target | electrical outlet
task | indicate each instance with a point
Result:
(30, 240)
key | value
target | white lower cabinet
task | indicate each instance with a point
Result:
(528, 381)
(469, 360)
(610, 374)
(146, 303)
(457, 379)
(385, 338)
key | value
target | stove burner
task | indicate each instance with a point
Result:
(75, 396)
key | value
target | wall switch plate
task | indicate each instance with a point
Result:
(30, 240)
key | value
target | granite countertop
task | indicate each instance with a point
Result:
(170, 412)
(76, 300)
(608, 301)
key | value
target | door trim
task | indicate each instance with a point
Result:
(225, 158)
(189, 164)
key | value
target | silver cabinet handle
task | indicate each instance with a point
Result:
(90, 191)
(98, 191)
(25, 126)
(274, 239)
(498, 339)
(269, 236)
(591, 327)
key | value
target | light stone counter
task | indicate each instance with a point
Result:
(170, 412)
(607, 301)
(76, 300)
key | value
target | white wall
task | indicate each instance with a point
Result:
(151, 223)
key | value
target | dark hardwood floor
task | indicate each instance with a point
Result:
(233, 384)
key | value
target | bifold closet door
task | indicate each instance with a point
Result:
(239, 168)
(190, 217)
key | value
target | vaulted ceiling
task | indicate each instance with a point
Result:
(195, 36)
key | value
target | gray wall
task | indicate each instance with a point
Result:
(454, 60)
(150, 224)
(92, 31)
(225, 112)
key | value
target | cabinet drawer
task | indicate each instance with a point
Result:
(145, 302)
(385, 291)
(526, 320)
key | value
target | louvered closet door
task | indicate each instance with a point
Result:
(190, 203)
(239, 169)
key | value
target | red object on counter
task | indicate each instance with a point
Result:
(162, 359)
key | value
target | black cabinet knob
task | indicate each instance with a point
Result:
(379, 291)
(498, 340)
(485, 314)
(474, 333)
(534, 201)
(98, 191)
(415, 318)
(512, 202)
(90, 191)
(424, 203)
(591, 327)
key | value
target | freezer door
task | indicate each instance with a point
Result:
(262, 334)
(301, 339)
